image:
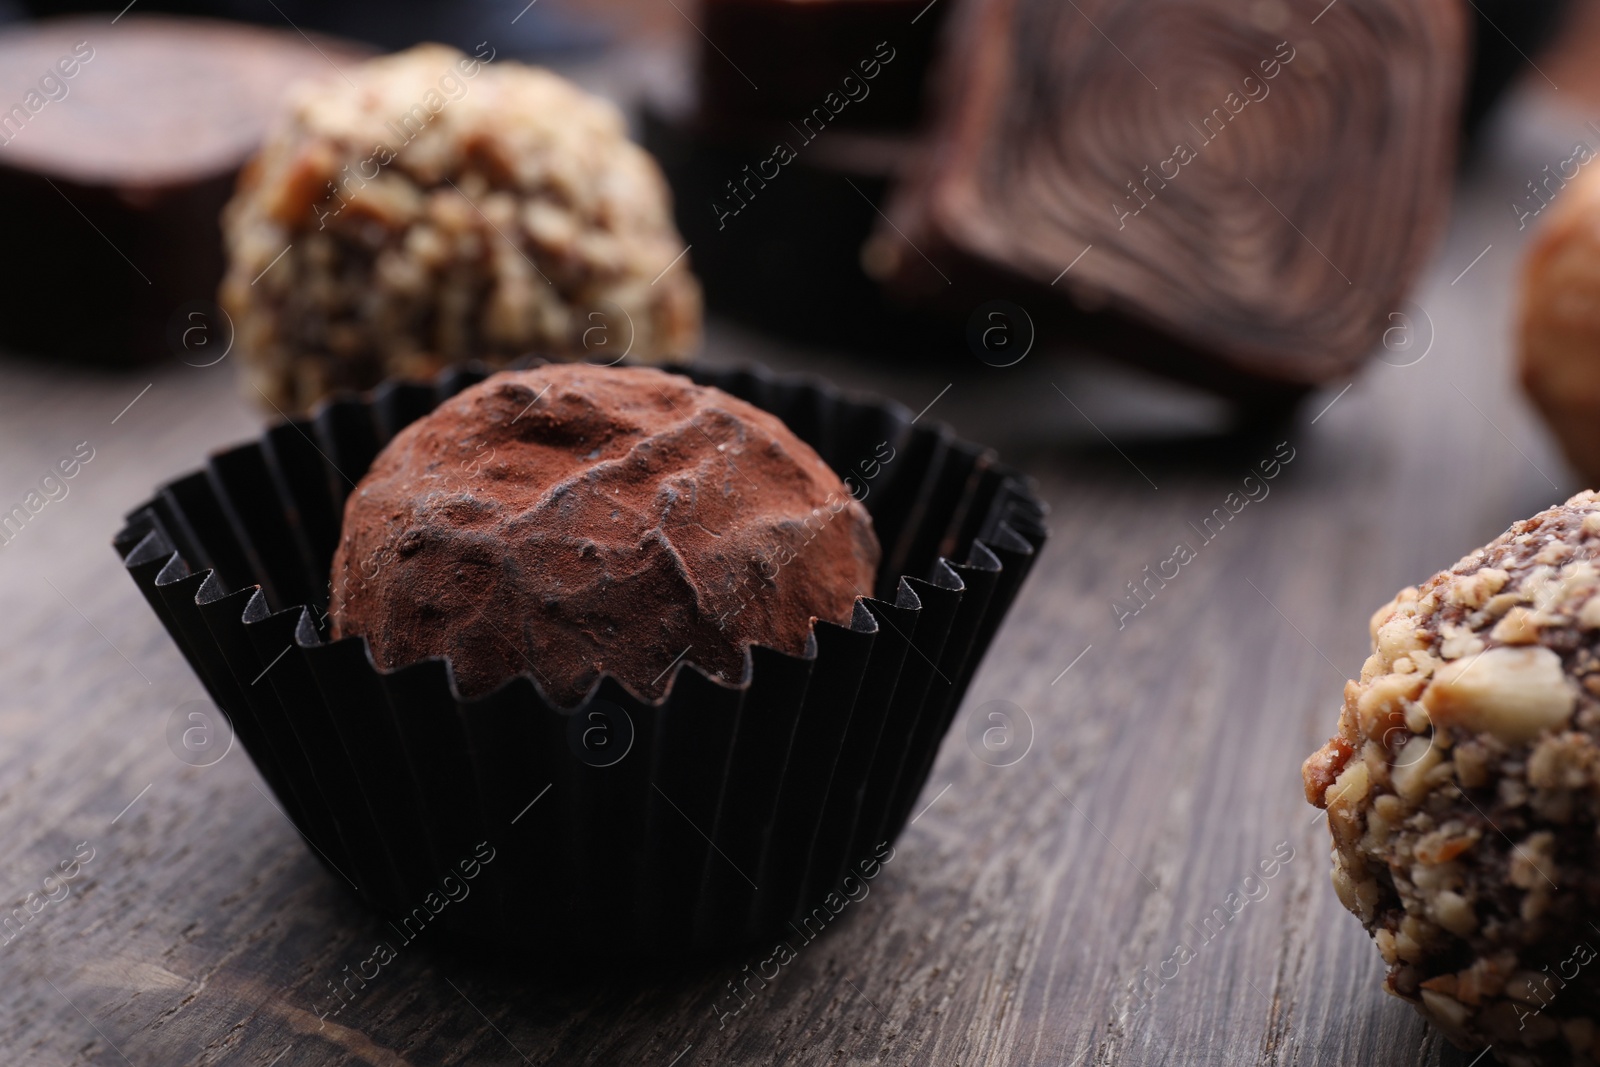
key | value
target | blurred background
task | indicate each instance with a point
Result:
(1132, 246)
(872, 243)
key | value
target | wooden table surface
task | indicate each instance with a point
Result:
(1023, 903)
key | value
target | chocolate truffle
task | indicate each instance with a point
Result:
(573, 520)
(439, 207)
(1463, 791)
(1560, 328)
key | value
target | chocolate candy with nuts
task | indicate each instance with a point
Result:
(441, 207)
(1463, 791)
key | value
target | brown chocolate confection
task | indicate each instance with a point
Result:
(118, 147)
(1463, 792)
(437, 207)
(573, 520)
(1250, 194)
(1560, 330)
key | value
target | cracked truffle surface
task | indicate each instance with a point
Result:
(573, 520)
(437, 208)
(1463, 792)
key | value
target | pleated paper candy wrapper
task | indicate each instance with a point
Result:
(697, 823)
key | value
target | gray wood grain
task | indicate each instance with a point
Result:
(1022, 904)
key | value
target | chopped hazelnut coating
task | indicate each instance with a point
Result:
(439, 208)
(1463, 792)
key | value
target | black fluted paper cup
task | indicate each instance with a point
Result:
(697, 822)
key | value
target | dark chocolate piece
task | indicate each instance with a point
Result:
(1255, 189)
(119, 144)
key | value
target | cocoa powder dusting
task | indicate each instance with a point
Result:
(572, 520)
